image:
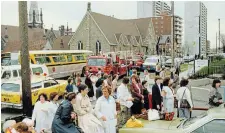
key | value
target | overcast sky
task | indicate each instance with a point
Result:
(59, 13)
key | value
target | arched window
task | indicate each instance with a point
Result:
(80, 45)
(98, 47)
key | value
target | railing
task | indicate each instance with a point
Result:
(213, 71)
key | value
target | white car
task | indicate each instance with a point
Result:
(14, 71)
(151, 62)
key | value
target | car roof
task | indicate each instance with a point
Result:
(15, 67)
(34, 79)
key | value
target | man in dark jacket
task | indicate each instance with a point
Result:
(98, 84)
(156, 94)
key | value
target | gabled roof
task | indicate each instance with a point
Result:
(35, 35)
(142, 25)
(111, 26)
(61, 43)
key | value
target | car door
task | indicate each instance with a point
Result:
(50, 86)
(36, 91)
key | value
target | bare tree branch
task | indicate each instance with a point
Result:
(222, 39)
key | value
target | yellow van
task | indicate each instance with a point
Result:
(11, 91)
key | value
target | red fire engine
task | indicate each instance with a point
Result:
(110, 63)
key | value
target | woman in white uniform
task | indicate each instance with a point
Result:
(41, 113)
(53, 106)
(105, 110)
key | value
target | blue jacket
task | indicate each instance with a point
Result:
(69, 88)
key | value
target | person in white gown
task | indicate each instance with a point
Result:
(41, 113)
(105, 110)
(53, 106)
(86, 120)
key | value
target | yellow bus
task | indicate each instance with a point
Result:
(60, 63)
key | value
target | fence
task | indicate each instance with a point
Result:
(213, 71)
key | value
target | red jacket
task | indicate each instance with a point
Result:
(135, 91)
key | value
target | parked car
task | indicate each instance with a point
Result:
(212, 121)
(14, 71)
(11, 91)
(189, 58)
(151, 62)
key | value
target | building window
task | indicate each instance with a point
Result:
(80, 45)
(98, 47)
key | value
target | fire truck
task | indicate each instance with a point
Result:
(110, 63)
(137, 61)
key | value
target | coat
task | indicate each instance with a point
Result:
(138, 97)
(107, 107)
(88, 82)
(41, 116)
(86, 120)
(62, 122)
(156, 96)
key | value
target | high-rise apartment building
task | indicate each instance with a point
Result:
(152, 8)
(196, 27)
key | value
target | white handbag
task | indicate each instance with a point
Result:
(153, 115)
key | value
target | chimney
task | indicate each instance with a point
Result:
(67, 29)
(6, 34)
(52, 28)
(62, 30)
(89, 7)
(61, 43)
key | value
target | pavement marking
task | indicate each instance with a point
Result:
(200, 88)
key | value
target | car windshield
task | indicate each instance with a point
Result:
(151, 60)
(5, 61)
(96, 62)
(10, 87)
(192, 120)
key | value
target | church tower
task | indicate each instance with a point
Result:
(35, 19)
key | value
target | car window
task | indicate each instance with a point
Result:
(35, 86)
(15, 74)
(37, 70)
(50, 83)
(6, 74)
(215, 126)
(10, 87)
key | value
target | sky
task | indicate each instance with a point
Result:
(56, 13)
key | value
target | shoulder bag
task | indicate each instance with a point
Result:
(183, 102)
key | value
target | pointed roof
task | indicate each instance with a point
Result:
(35, 36)
(164, 39)
(111, 26)
(61, 43)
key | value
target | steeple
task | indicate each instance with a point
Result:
(89, 7)
(41, 15)
(34, 21)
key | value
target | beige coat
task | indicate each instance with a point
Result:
(86, 120)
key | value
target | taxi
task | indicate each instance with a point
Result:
(11, 91)
(212, 121)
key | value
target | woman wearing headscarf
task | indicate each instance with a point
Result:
(64, 118)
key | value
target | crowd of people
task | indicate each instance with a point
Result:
(115, 103)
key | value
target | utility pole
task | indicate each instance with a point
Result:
(25, 62)
(172, 26)
(219, 34)
(199, 31)
(216, 42)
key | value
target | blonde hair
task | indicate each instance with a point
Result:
(28, 122)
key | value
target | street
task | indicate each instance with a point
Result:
(199, 96)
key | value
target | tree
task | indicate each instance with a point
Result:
(222, 39)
